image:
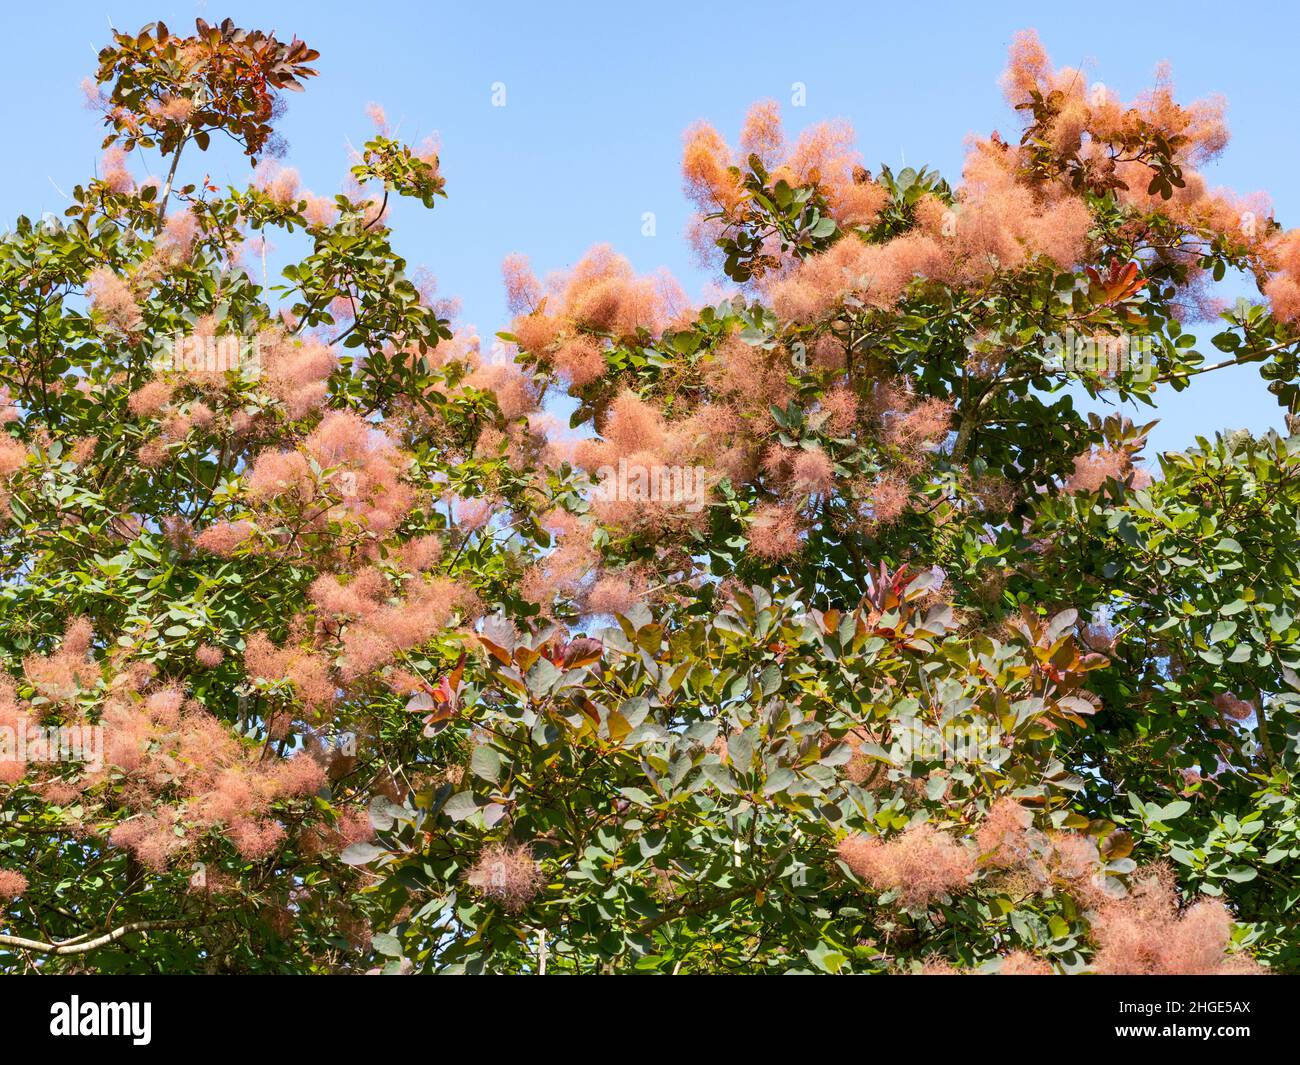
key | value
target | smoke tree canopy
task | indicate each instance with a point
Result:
(827, 636)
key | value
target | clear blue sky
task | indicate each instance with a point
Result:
(598, 95)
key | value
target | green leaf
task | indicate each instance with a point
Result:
(486, 763)
(1173, 811)
(387, 944)
(361, 853)
(826, 958)
(1221, 630)
(779, 780)
(461, 806)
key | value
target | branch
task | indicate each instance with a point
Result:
(1261, 723)
(80, 944)
(167, 189)
(702, 906)
(1237, 360)
(707, 904)
(968, 420)
(382, 208)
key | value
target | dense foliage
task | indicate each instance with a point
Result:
(827, 636)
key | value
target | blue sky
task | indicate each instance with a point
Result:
(597, 96)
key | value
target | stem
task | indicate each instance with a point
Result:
(1245, 356)
(1261, 720)
(171, 176)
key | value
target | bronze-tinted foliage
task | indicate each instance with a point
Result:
(229, 77)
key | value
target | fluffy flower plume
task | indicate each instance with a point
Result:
(922, 864)
(1145, 933)
(566, 320)
(112, 298)
(11, 883)
(61, 675)
(507, 874)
